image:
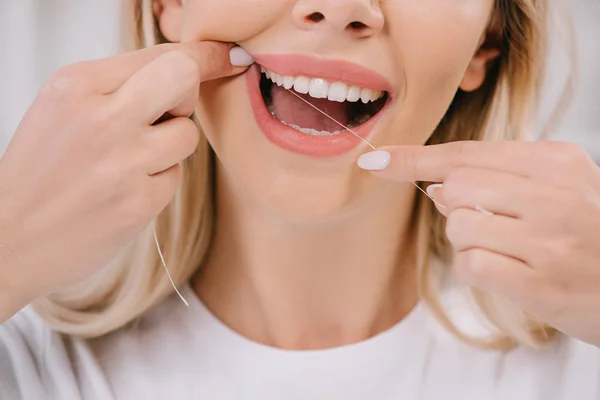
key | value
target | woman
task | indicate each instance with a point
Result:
(307, 277)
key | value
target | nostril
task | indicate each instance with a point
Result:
(315, 17)
(356, 26)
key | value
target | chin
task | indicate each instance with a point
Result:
(301, 203)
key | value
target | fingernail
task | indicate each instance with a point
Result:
(375, 160)
(432, 188)
(240, 57)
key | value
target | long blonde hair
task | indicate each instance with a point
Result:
(501, 110)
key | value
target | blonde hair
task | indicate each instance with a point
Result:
(501, 110)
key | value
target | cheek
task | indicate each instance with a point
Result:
(438, 37)
(229, 20)
(436, 40)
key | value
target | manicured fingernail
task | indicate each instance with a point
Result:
(375, 160)
(432, 188)
(240, 57)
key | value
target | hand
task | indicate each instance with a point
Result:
(91, 164)
(541, 246)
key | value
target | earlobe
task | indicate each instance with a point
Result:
(169, 14)
(477, 70)
(478, 67)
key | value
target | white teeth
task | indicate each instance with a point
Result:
(337, 92)
(365, 95)
(311, 132)
(288, 82)
(302, 84)
(318, 88)
(353, 94)
(322, 89)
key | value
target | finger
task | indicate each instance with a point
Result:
(171, 83)
(213, 60)
(168, 144)
(163, 187)
(434, 163)
(498, 192)
(467, 229)
(498, 274)
(436, 193)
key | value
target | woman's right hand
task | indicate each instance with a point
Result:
(89, 167)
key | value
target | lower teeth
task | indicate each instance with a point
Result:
(307, 131)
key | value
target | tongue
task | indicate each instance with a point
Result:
(291, 109)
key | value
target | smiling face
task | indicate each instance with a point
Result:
(388, 69)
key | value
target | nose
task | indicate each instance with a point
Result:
(356, 18)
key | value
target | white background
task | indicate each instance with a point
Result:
(40, 36)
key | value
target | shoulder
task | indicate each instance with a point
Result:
(568, 368)
(32, 356)
(25, 328)
(23, 340)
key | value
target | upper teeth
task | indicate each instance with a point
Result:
(323, 89)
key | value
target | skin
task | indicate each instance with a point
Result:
(315, 253)
(98, 170)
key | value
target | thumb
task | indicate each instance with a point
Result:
(214, 59)
(218, 60)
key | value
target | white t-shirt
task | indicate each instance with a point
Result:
(175, 352)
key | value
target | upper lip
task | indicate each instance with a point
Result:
(331, 70)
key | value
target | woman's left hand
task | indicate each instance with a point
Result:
(541, 246)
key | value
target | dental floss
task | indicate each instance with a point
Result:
(162, 259)
(361, 138)
(484, 211)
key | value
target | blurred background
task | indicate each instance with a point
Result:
(40, 36)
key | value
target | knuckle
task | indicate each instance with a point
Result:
(455, 223)
(465, 150)
(103, 117)
(175, 179)
(190, 135)
(176, 65)
(569, 154)
(564, 207)
(409, 162)
(470, 266)
(455, 185)
(187, 68)
(168, 188)
(72, 81)
(554, 255)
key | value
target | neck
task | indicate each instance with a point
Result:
(316, 285)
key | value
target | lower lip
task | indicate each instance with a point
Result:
(290, 139)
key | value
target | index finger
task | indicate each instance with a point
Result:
(213, 60)
(434, 163)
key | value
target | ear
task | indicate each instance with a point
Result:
(169, 14)
(478, 67)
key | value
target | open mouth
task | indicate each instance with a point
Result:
(339, 102)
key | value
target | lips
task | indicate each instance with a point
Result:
(351, 93)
